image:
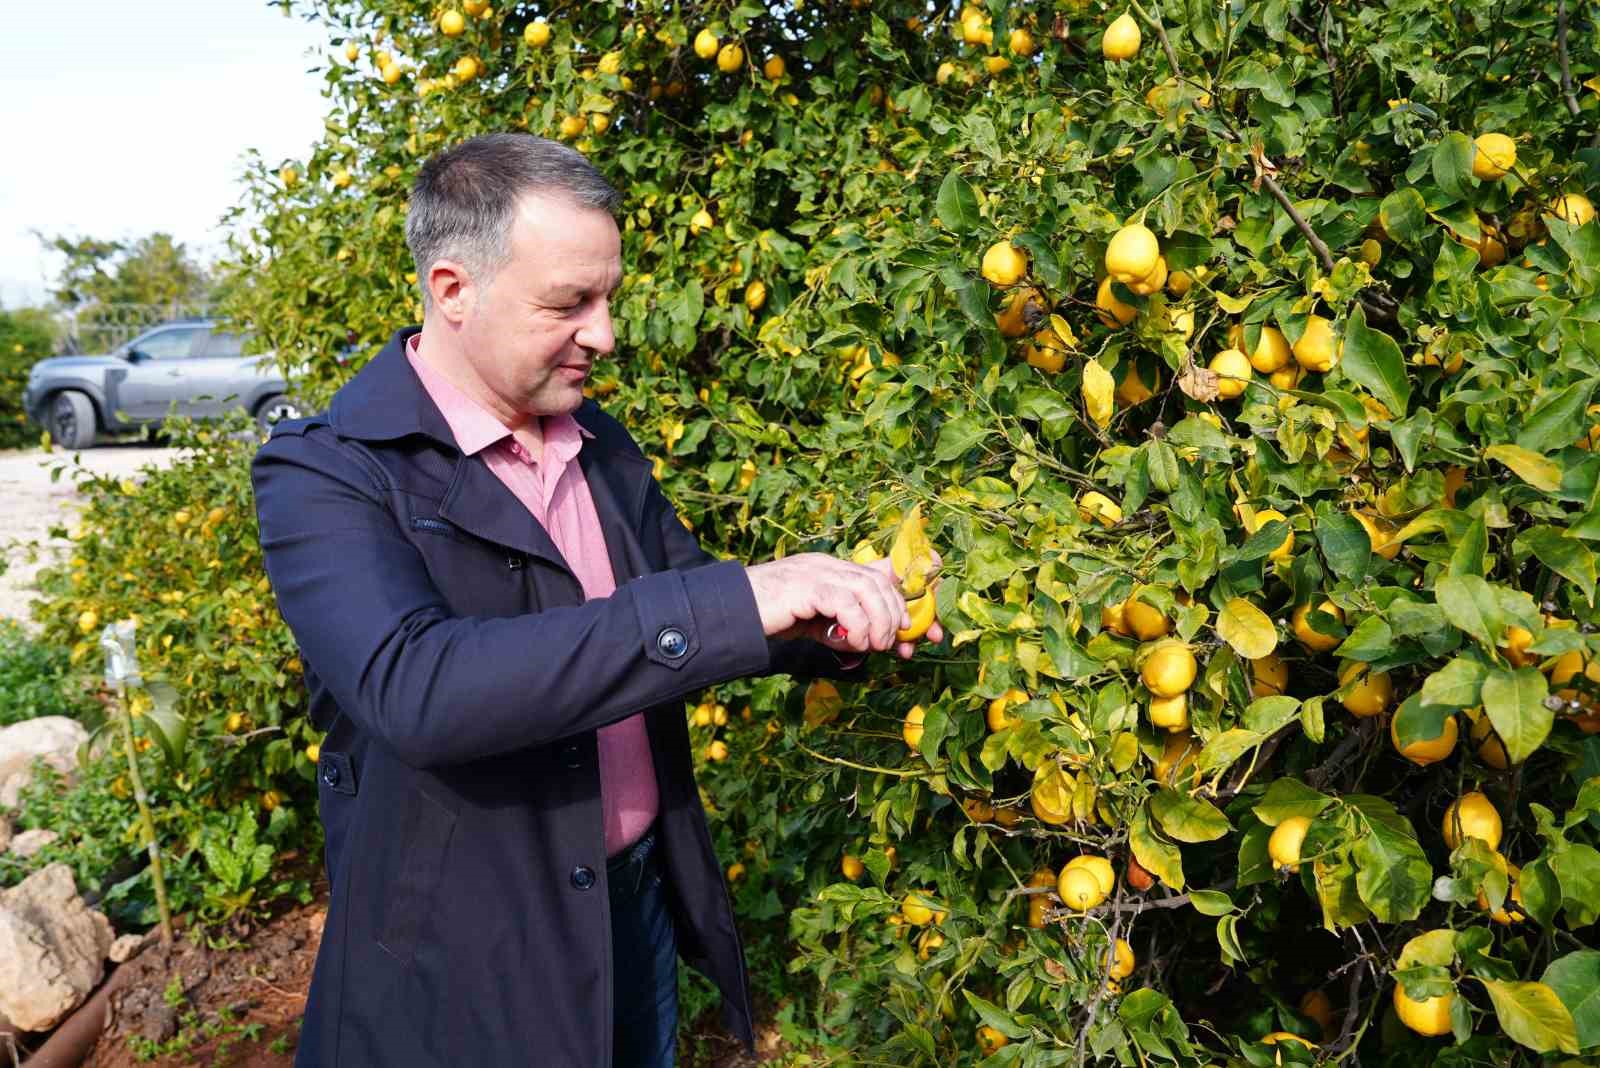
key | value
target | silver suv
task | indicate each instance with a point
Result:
(190, 367)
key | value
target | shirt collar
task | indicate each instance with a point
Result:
(475, 428)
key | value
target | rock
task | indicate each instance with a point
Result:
(5, 832)
(54, 738)
(125, 948)
(28, 843)
(160, 1023)
(52, 949)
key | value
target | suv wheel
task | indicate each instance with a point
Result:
(274, 410)
(72, 423)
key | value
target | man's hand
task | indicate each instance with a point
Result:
(800, 596)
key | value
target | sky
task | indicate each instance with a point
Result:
(126, 117)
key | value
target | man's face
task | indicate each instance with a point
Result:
(533, 333)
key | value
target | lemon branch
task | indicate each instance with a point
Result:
(1561, 53)
(898, 772)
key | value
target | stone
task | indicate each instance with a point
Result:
(5, 832)
(28, 843)
(55, 739)
(125, 948)
(52, 949)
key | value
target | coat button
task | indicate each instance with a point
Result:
(571, 755)
(672, 643)
(330, 773)
(582, 877)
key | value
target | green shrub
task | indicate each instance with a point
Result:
(26, 336)
(37, 679)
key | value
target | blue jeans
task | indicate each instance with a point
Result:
(644, 960)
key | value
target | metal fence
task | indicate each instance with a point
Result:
(102, 327)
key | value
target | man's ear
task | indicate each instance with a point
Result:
(451, 288)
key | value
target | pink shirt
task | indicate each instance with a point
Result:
(555, 492)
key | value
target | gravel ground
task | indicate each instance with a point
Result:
(30, 504)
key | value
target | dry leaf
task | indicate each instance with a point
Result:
(1200, 383)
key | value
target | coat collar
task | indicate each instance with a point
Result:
(386, 402)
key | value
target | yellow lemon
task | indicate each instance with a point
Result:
(1169, 670)
(1426, 751)
(1472, 815)
(1079, 889)
(1120, 960)
(536, 33)
(706, 44)
(1429, 1017)
(1491, 750)
(1004, 264)
(1096, 507)
(1233, 373)
(1122, 38)
(717, 751)
(730, 58)
(1113, 312)
(1152, 282)
(1573, 209)
(990, 1041)
(1284, 844)
(996, 715)
(1315, 640)
(911, 729)
(1146, 621)
(1179, 282)
(1369, 696)
(1021, 42)
(1318, 348)
(1269, 675)
(774, 68)
(1272, 350)
(755, 295)
(1264, 516)
(919, 911)
(451, 23)
(1493, 154)
(1132, 254)
(851, 867)
(1097, 866)
(1382, 542)
(1170, 713)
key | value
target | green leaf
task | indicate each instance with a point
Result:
(994, 1016)
(1211, 902)
(1344, 543)
(1470, 604)
(1247, 628)
(1549, 425)
(1224, 747)
(1452, 164)
(1577, 868)
(1576, 980)
(1160, 858)
(169, 726)
(1372, 358)
(1392, 872)
(1458, 684)
(1371, 640)
(1403, 214)
(1266, 714)
(959, 435)
(1471, 554)
(1566, 556)
(1533, 1016)
(1514, 700)
(1535, 470)
(957, 204)
(1436, 948)
(1188, 819)
(1286, 798)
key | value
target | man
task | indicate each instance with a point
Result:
(500, 617)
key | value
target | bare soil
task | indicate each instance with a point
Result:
(238, 1004)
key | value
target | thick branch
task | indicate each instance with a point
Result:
(1561, 52)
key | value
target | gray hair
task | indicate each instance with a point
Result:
(465, 199)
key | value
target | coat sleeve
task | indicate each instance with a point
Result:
(801, 658)
(438, 688)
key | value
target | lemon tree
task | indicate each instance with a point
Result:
(1238, 361)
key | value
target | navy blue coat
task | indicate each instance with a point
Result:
(460, 677)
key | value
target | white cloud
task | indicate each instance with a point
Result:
(128, 118)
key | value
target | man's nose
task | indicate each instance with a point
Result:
(595, 333)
